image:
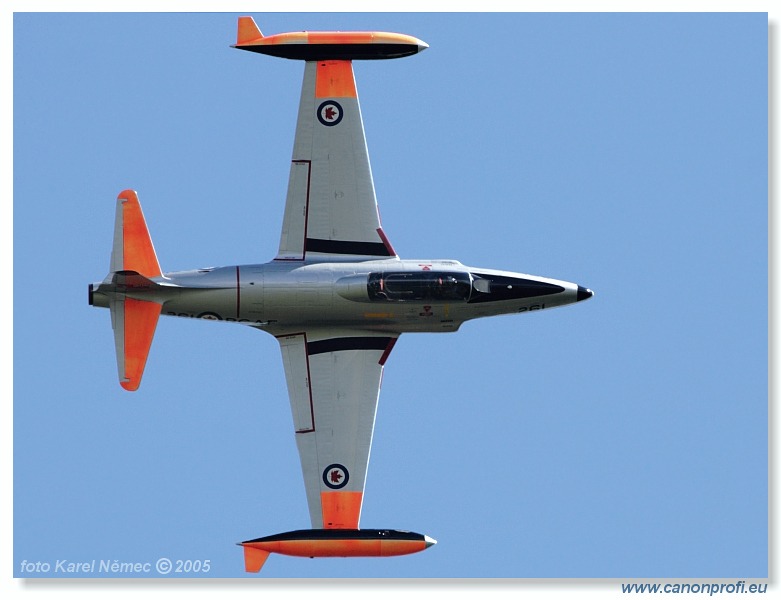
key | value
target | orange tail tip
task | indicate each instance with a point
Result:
(248, 31)
(254, 559)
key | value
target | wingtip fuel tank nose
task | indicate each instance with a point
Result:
(584, 293)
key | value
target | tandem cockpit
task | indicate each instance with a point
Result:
(442, 286)
(419, 286)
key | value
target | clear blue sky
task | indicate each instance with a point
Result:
(623, 437)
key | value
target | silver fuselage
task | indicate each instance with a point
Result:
(388, 295)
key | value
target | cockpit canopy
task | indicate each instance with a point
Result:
(420, 286)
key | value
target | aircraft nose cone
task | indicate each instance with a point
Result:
(584, 293)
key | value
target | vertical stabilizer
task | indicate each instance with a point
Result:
(248, 31)
(254, 559)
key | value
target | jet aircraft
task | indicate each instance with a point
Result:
(336, 296)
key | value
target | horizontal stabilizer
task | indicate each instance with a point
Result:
(134, 323)
(133, 249)
(133, 264)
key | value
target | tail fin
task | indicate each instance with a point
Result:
(254, 559)
(248, 31)
(133, 262)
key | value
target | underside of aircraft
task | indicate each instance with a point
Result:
(336, 297)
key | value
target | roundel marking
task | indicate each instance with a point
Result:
(336, 476)
(210, 316)
(330, 113)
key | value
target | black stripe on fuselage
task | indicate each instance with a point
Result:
(348, 343)
(346, 247)
(512, 288)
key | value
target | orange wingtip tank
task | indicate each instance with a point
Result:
(318, 543)
(327, 45)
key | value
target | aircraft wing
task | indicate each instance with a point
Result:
(333, 379)
(331, 210)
